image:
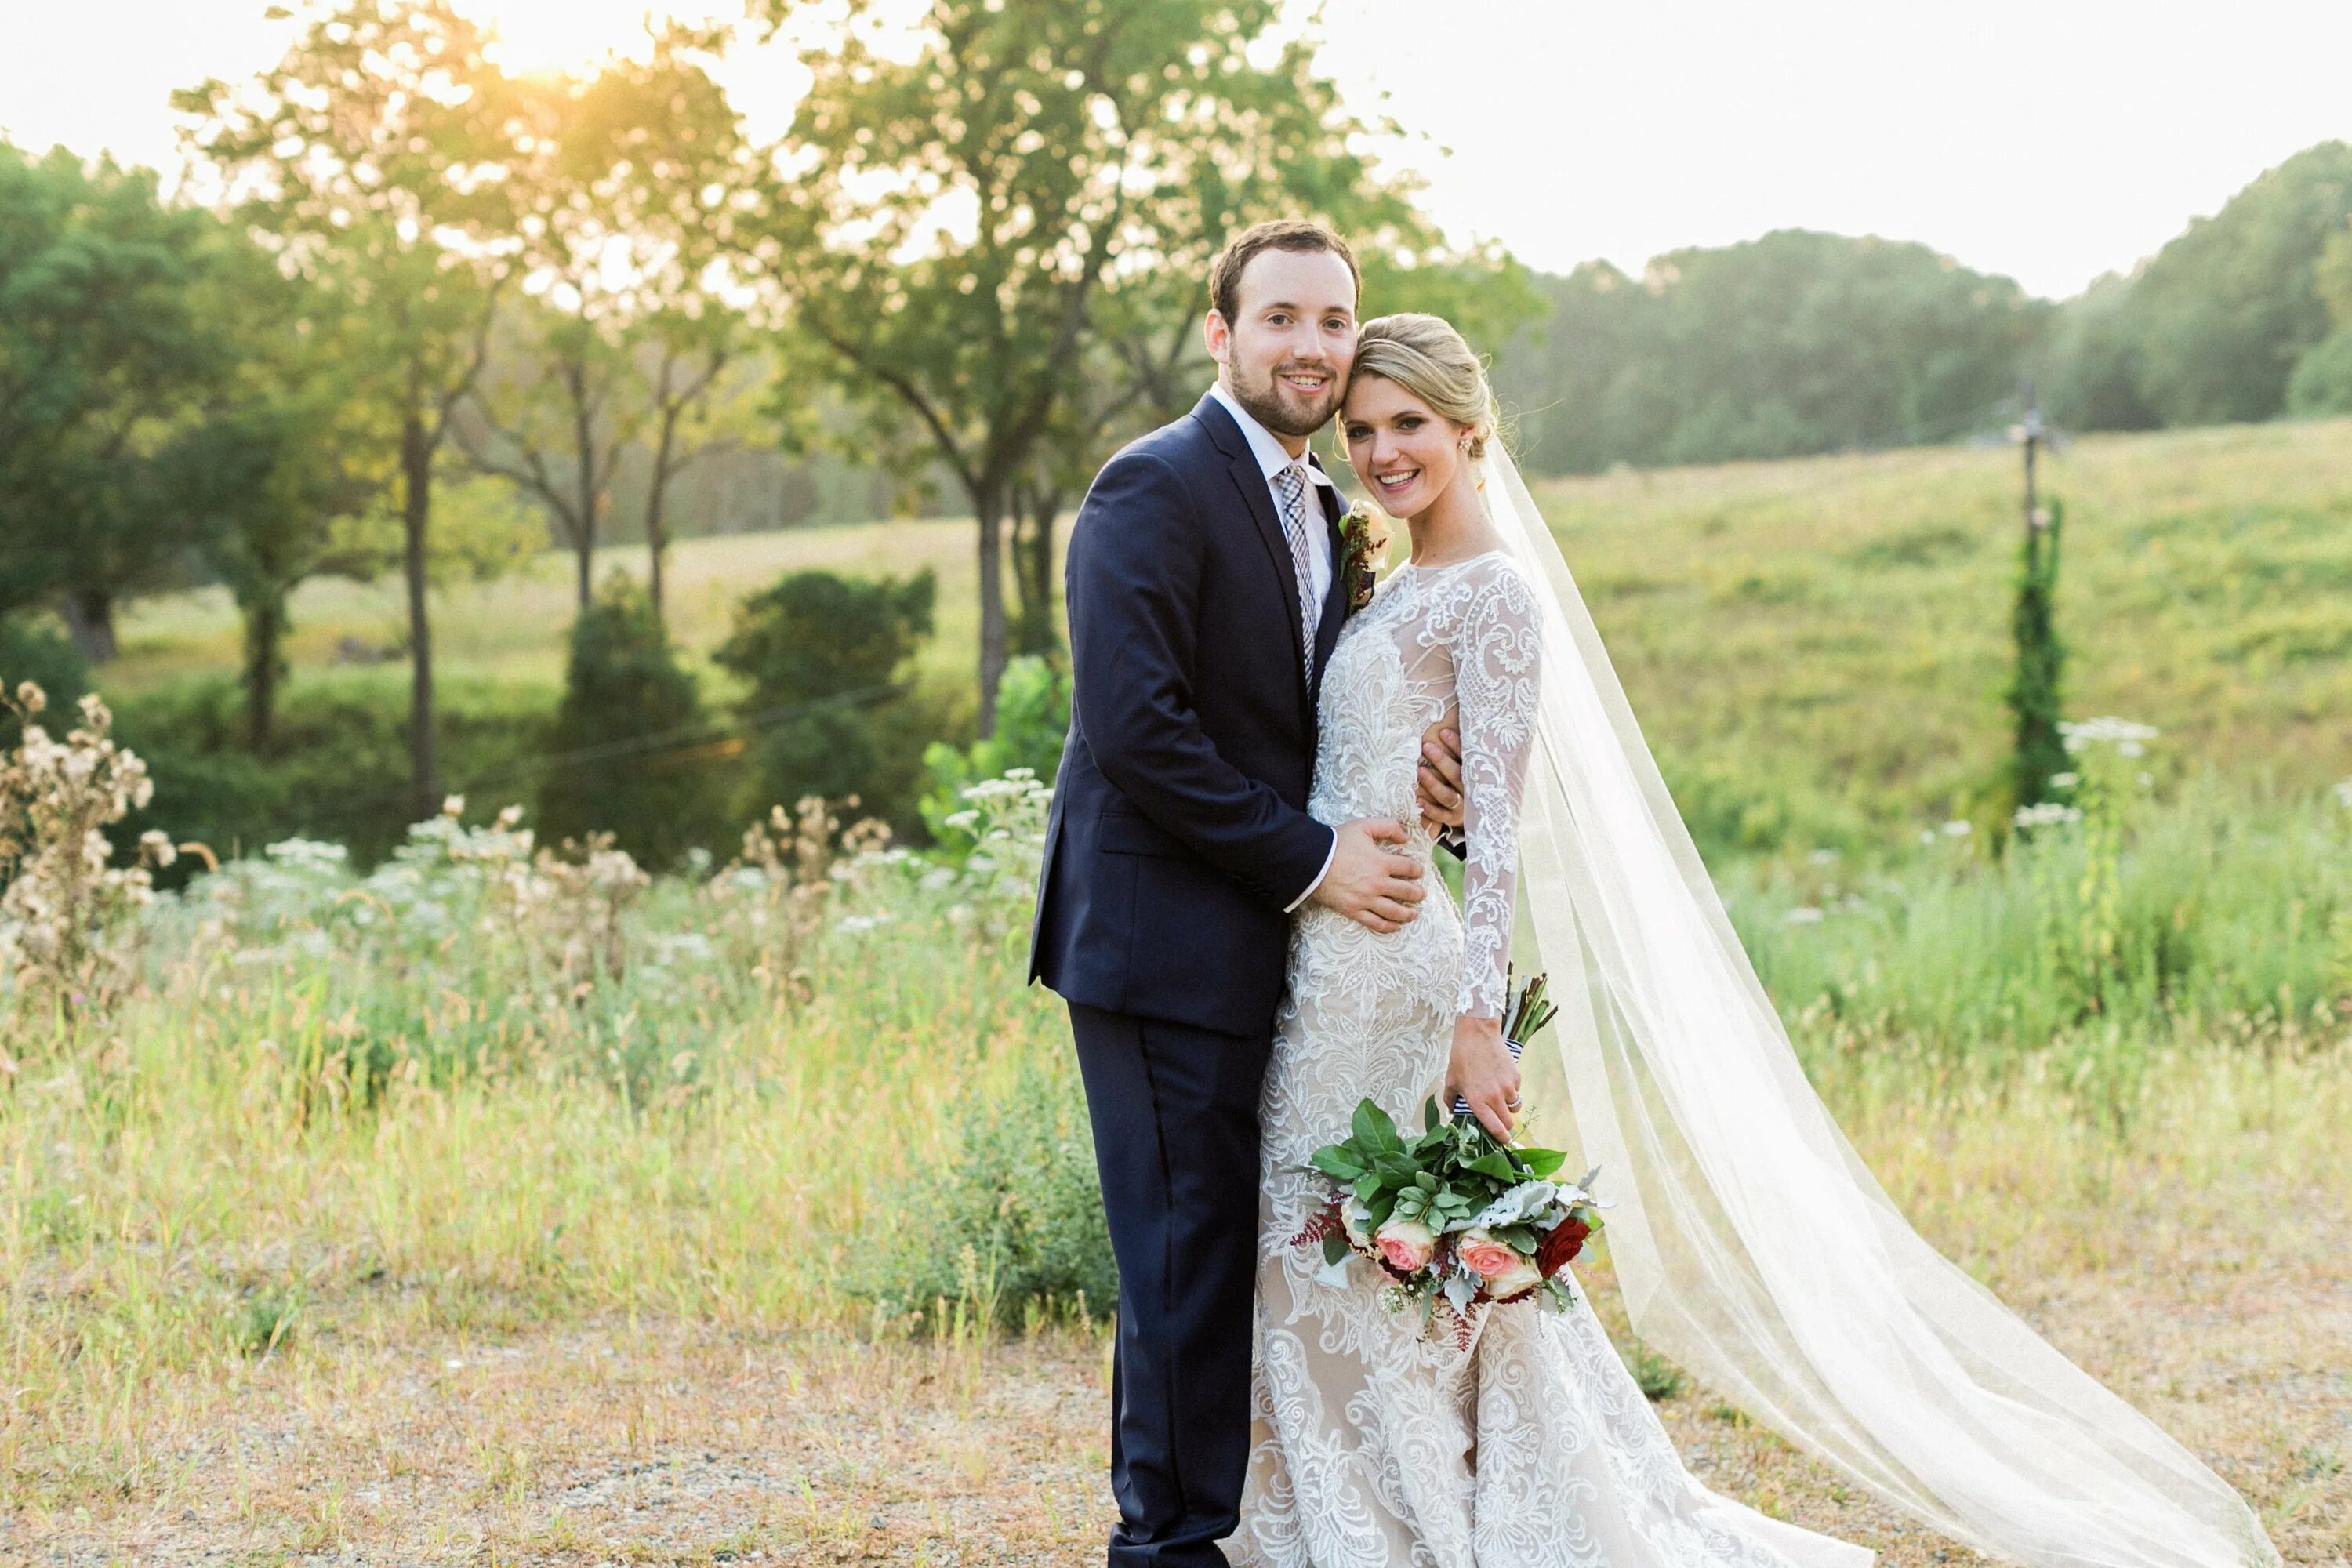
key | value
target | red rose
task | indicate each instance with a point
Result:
(1560, 1245)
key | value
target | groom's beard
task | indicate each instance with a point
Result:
(1282, 410)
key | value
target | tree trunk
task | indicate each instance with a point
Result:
(264, 636)
(416, 518)
(90, 617)
(989, 509)
(1033, 571)
(583, 445)
(656, 512)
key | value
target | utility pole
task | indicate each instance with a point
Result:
(2034, 693)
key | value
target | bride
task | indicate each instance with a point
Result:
(1751, 1245)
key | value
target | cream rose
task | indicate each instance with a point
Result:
(1406, 1244)
(1522, 1277)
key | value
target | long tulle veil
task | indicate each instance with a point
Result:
(1751, 1243)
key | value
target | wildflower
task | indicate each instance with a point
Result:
(2344, 793)
(2065, 781)
(2045, 814)
(2126, 737)
(1808, 915)
(1956, 828)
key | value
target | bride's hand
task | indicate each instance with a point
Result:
(1481, 1071)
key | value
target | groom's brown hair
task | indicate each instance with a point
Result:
(1276, 234)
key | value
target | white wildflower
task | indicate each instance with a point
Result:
(1807, 914)
(2123, 735)
(2045, 814)
(1956, 828)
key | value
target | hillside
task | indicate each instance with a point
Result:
(1819, 645)
(1816, 647)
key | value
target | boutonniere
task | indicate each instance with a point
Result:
(1363, 546)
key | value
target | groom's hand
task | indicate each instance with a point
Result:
(1373, 885)
(1437, 783)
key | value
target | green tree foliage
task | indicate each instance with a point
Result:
(2212, 328)
(2228, 306)
(624, 760)
(2322, 383)
(1795, 343)
(379, 156)
(32, 649)
(830, 705)
(973, 226)
(109, 362)
(625, 204)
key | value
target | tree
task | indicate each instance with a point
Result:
(2225, 311)
(953, 216)
(624, 691)
(626, 207)
(107, 366)
(292, 471)
(825, 658)
(1792, 344)
(377, 157)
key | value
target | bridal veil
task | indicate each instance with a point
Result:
(1751, 1243)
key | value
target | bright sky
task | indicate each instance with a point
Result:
(2051, 140)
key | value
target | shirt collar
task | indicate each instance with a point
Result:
(1268, 451)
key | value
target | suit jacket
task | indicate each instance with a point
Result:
(1179, 834)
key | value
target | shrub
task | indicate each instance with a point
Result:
(336, 768)
(1016, 1221)
(829, 705)
(32, 649)
(1033, 720)
(628, 757)
(61, 901)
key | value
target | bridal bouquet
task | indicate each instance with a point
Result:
(1455, 1217)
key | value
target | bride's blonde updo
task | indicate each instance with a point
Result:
(1428, 358)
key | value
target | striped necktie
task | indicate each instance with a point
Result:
(1290, 489)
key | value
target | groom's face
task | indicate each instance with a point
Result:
(1285, 356)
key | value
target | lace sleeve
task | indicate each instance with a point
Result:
(1497, 656)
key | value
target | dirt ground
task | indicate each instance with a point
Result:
(666, 1443)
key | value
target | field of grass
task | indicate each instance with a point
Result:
(512, 628)
(1816, 647)
(467, 1212)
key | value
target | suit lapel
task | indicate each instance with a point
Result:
(1335, 598)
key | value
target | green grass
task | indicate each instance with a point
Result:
(352, 1134)
(1816, 647)
(514, 628)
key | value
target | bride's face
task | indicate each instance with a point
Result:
(1403, 452)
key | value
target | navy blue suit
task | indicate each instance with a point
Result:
(1179, 838)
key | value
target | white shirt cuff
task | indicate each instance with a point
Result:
(1329, 856)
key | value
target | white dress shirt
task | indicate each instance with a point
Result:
(1272, 459)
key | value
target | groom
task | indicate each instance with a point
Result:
(1204, 599)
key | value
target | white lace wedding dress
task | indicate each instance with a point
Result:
(1373, 1447)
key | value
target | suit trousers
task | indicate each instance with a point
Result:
(1175, 1114)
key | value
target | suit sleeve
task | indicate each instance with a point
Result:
(1133, 585)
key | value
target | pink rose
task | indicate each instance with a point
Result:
(1488, 1259)
(1406, 1244)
